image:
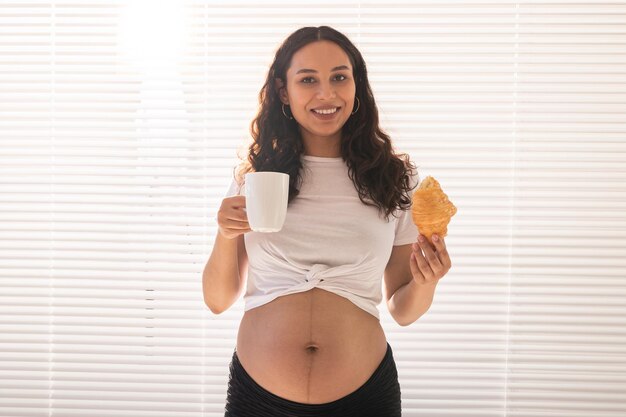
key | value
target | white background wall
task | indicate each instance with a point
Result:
(119, 123)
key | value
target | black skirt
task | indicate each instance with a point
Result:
(379, 396)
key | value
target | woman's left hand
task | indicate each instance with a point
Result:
(433, 264)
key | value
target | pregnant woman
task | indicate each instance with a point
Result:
(310, 342)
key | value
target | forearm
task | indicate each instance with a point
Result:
(411, 301)
(220, 278)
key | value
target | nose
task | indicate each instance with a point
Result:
(325, 90)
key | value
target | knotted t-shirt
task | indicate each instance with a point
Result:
(330, 240)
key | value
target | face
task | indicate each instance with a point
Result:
(320, 76)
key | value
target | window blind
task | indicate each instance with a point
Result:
(119, 127)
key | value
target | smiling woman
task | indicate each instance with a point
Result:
(321, 103)
(310, 342)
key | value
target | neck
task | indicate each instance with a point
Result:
(325, 147)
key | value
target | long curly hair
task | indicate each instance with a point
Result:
(380, 176)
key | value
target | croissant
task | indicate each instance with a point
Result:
(431, 209)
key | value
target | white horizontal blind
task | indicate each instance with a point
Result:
(443, 76)
(567, 338)
(119, 126)
(108, 175)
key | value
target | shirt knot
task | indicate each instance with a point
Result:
(315, 273)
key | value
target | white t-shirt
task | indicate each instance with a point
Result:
(330, 240)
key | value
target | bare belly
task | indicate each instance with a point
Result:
(311, 347)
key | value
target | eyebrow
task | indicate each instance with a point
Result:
(340, 67)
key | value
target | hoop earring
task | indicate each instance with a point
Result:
(358, 104)
(288, 117)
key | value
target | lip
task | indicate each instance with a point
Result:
(326, 116)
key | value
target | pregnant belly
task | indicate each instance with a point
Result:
(311, 347)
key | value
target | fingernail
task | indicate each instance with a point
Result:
(420, 238)
(435, 238)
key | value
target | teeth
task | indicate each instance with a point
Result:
(330, 111)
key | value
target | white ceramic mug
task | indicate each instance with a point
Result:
(266, 194)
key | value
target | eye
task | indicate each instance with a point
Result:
(310, 78)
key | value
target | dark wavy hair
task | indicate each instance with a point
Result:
(380, 176)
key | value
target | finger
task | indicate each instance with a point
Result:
(429, 254)
(415, 271)
(442, 251)
(240, 200)
(422, 262)
(234, 216)
(231, 217)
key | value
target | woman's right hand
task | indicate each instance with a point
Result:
(232, 219)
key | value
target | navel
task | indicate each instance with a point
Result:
(312, 348)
